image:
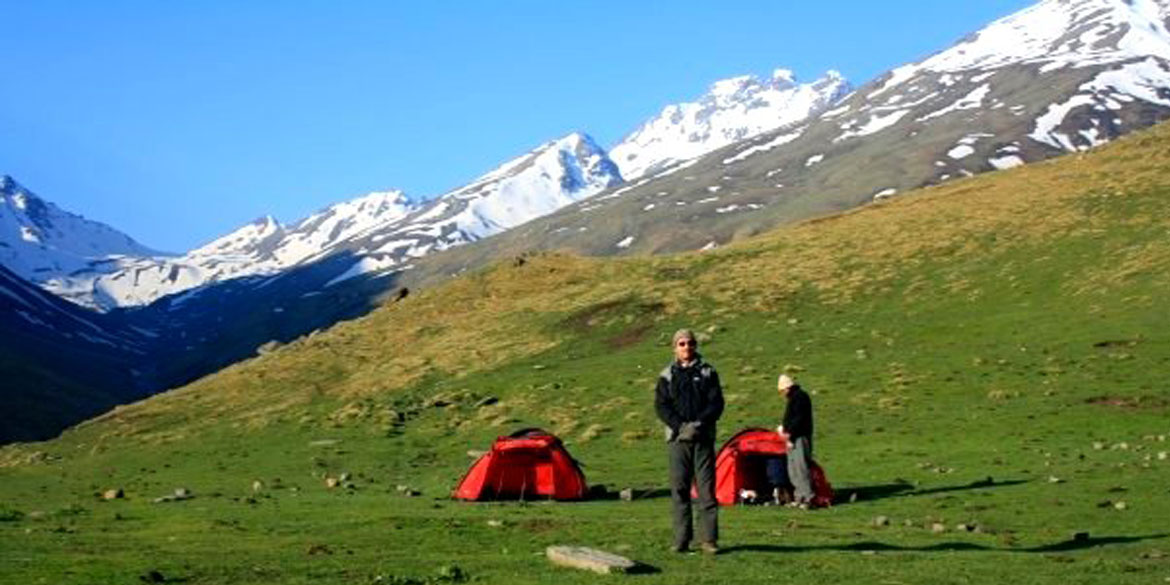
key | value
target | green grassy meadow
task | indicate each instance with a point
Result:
(992, 353)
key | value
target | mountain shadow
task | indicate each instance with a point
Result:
(61, 364)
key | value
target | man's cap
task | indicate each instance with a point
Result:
(682, 334)
(785, 382)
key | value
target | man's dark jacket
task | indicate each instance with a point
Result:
(690, 393)
(798, 417)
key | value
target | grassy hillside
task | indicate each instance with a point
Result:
(990, 353)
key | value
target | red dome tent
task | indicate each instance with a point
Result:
(742, 464)
(527, 464)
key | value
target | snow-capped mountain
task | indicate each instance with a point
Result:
(1058, 77)
(1117, 51)
(39, 241)
(556, 174)
(262, 247)
(732, 110)
(385, 230)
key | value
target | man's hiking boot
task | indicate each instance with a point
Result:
(709, 548)
(681, 548)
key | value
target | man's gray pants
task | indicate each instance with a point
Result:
(799, 454)
(693, 461)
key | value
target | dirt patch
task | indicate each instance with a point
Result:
(586, 318)
(539, 525)
(629, 336)
(628, 310)
(1130, 402)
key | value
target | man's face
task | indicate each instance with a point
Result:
(684, 349)
(783, 391)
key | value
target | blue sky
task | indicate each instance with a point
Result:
(176, 122)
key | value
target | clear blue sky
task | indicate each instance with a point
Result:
(176, 122)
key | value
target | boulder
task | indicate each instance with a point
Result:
(881, 521)
(113, 494)
(589, 559)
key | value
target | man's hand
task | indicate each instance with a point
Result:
(688, 431)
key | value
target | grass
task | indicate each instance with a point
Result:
(990, 353)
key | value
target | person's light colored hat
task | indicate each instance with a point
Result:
(682, 334)
(785, 382)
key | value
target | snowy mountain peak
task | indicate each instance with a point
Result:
(733, 109)
(39, 241)
(7, 183)
(549, 177)
(248, 240)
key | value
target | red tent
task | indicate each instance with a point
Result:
(742, 464)
(527, 464)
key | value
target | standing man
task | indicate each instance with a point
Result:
(798, 427)
(688, 400)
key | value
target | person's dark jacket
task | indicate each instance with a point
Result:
(688, 394)
(798, 416)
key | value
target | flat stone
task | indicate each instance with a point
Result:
(589, 559)
(938, 527)
(114, 494)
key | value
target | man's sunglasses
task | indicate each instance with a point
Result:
(687, 343)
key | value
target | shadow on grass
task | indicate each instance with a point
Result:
(640, 568)
(905, 489)
(1072, 544)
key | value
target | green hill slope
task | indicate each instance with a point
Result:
(990, 353)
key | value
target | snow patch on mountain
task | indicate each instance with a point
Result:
(970, 101)
(874, 124)
(1147, 80)
(769, 145)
